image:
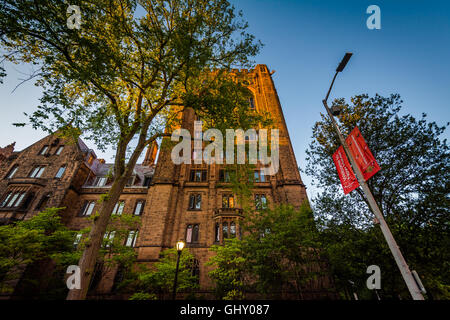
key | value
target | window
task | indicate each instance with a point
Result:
(260, 201)
(43, 150)
(252, 103)
(37, 172)
(87, 208)
(198, 175)
(6, 199)
(232, 229)
(59, 150)
(118, 208)
(192, 233)
(225, 230)
(259, 176)
(43, 202)
(195, 202)
(147, 181)
(100, 181)
(227, 201)
(139, 207)
(195, 271)
(12, 172)
(15, 199)
(108, 238)
(224, 176)
(132, 237)
(77, 240)
(60, 172)
(217, 232)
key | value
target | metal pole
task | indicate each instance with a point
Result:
(401, 263)
(174, 291)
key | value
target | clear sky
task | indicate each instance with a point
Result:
(304, 42)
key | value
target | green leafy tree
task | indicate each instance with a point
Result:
(158, 280)
(28, 242)
(279, 252)
(411, 189)
(118, 78)
(229, 270)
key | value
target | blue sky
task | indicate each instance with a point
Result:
(304, 42)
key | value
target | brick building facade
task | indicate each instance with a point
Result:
(191, 202)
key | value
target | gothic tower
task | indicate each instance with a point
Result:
(188, 201)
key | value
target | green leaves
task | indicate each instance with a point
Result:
(411, 189)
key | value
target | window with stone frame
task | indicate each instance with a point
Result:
(43, 150)
(229, 228)
(224, 175)
(139, 207)
(228, 201)
(59, 150)
(260, 201)
(195, 202)
(108, 239)
(60, 172)
(198, 175)
(87, 208)
(37, 172)
(17, 200)
(192, 231)
(131, 239)
(12, 172)
(118, 208)
(100, 181)
(259, 176)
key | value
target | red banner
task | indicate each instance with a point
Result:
(346, 174)
(361, 152)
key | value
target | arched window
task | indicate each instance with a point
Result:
(225, 230)
(192, 233)
(232, 230)
(217, 232)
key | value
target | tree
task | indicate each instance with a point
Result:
(28, 242)
(279, 252)
(229, 270)
(158, 281)
(117, 78)
(411, 189)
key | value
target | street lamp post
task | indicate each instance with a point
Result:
(401, 263)
(179, 246)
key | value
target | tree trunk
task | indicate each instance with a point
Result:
(90, 254)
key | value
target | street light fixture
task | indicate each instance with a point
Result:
(395, 250)
(179, 246)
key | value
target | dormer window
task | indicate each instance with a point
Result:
(43, 150)
(12, 172)
(100, 181)
(59, 150)
(37, 172)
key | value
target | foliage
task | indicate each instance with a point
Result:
(229, 269)
(30, 241)
(411, 190)
(158, 281)
(279, 251)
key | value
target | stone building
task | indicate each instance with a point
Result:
(191, 202)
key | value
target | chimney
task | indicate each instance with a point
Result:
(7, 151)
(150, 156)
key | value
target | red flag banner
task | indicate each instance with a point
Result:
(346, 174)
(361, 152)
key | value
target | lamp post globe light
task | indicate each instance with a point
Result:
(179, 246)
(411, 283)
